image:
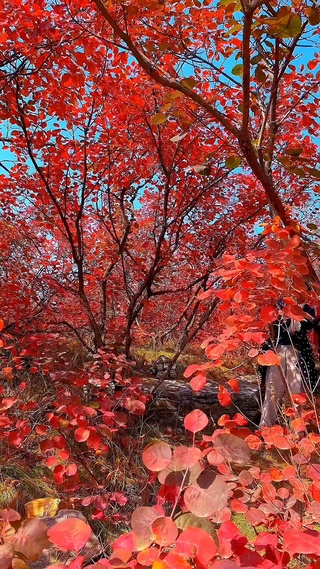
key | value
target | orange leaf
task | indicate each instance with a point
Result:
(269, 358)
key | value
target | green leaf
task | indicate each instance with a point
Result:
(314, 172)
(313, 16)
(159, 118)
(188, 82)
(233, 162)
(255, 59)
(237, 70)
(286, 24)
(294, 151)
(187, 520)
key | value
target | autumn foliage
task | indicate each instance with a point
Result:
(159, 181)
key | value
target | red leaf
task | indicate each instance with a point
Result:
(269, 314)
(7, 402)
(141, 522)
(126, 541)
(31, 539)
(198, 382)
(134, 406)
(10, 515)
(6, 555)
(41, 429)
(157, 456)
(266, 538)
(165, 531)
(234, 384)
(269, 358)
(81, 435)
(191, 369)
(253, 353)
(70, 535)
(225, 294)
(239, 507)
(205, 294)
(71, 469)
(224, 397)
(186, 457)
(295, 312)
(196, 421)
(307, 542)
(1, 325)
(148, 556)
(203, 542)
(254, 442)
(215, 457)
(94, 441)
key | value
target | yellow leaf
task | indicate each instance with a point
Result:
(188, 82)
(159, 118)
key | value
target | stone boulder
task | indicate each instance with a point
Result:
(159, 367)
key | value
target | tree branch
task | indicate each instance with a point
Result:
(162, 77)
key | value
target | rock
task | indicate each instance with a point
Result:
(53, 555)
(160, 366)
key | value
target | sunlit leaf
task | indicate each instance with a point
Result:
(70, 535)
(237, 70)
(188, 82)
(159, 118)
(233, 162)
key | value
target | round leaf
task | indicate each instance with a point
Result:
(187, 456)
(165, 531)
(31, 539)
(233, 448)
(70, 535)
(196, 421)
(203, 542)
(81, 435)
(141, 523)
(208, 496)
(269, 358)
(157, 456)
